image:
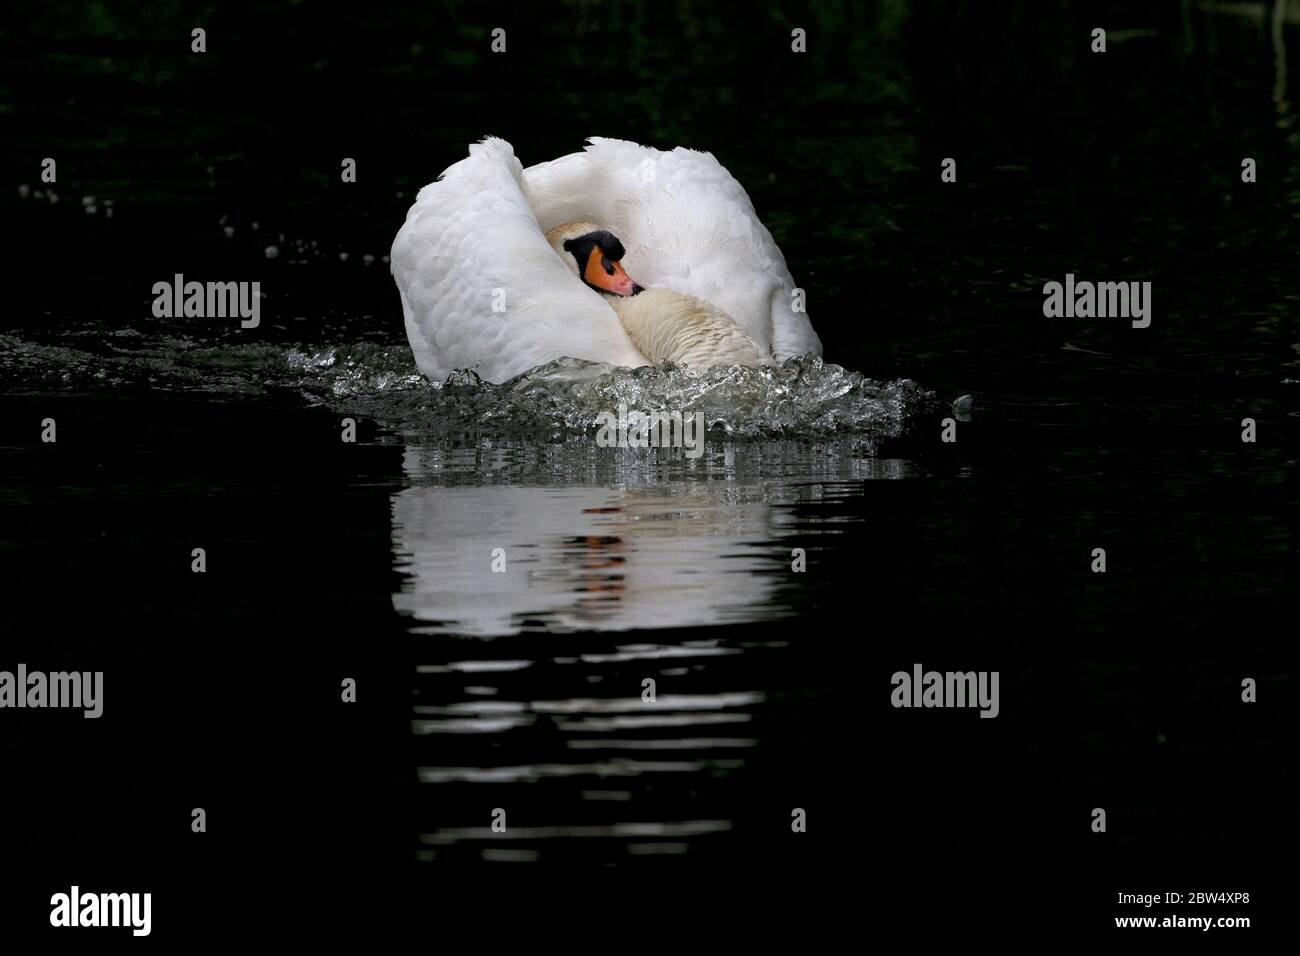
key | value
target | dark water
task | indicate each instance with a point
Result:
(523, 690)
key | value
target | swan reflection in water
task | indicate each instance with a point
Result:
(605, 539)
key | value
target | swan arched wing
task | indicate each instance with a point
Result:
(686, 224)
(480, 286)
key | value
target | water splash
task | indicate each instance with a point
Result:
(804, 398)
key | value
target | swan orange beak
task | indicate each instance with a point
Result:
(604, 273)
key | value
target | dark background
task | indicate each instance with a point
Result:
(223, 688)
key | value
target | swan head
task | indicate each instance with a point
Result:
(593, 254)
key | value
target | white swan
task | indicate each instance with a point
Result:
(482, 287)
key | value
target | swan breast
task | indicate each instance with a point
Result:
(667, 326)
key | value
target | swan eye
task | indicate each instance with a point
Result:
(607, 265)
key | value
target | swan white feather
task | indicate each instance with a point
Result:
(475, 239)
